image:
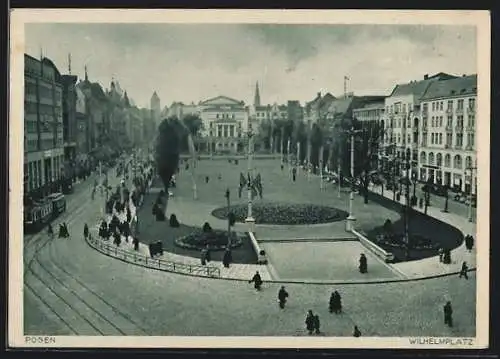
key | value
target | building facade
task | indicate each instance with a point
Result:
(447, 150)
(43, 127)
(155, 107)
(225, 124)
(402, 116)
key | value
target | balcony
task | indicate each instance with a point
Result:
(459, 111)
(459, 128)
(425, 114)
(447, 145)
(449, 128)
(424, 127)
(469, 148)
(470, 128)
(458, 147)
(471, 110)
(449, 111)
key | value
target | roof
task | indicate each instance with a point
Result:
(465, 85)
(418, 88)
(222, 100)
(374, 105)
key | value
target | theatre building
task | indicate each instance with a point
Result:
(225, 124)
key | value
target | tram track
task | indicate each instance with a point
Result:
(81, 314)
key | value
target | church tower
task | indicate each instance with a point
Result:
(256, 99)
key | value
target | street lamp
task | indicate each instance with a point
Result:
(351, 218)
(250, 221)
(228, 194)
(471, 170)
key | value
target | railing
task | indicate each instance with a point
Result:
(261, 254)
(471, 110)
(459, 111)
(145, 261)
(449, 110)
(459, 128)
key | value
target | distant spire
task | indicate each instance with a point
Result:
(69, 63)
(256, 100)
(86, 74)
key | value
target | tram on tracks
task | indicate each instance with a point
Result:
(38, 213)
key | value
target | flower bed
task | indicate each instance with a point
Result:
(216, 240)
(284, 213)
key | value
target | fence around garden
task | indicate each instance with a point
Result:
(153, 263)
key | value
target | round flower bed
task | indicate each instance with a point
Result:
(417, 242)
(284, 213)
(216, 240)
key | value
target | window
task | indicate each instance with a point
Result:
(440, 121)
(460, 104)
(441, 106)
(440, 138)
(439, 160)
(431, 159)
(433, 106)
(409, 138)
(404, 108)
(472, 103)
(231, 131)
(472, 121)
(432, 138)
(459, 140)
(457, 162)
(217, 116)
(423, 157)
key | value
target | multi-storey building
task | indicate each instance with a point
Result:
(402, 109)
(447, 148)
(225, 123)
(43, 127)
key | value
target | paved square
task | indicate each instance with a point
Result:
(324, 261)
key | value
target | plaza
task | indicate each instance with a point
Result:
(314, 261)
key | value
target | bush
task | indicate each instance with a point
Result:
(216, 239)
(174, 223)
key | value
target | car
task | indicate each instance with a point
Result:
(436, 189)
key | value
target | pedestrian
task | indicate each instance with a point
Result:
(203, 257)
(226, 260)
(282, 166)
(316, 324)
(469, 242)
(448, 314)
(257, 280)
(282, 295)
(441, 253)
(208, 254)
(66, 231)
(50, 230)
(207, 179)
(310, 322)
(85, 231)
(117, 239)
(294, 173)
(363, 265)
(335, 303)
(447, 256)
(357, 332)
(463, 271)
(136, 244)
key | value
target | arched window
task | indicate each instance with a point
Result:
(439, 160)
(457, 162)
(431, 158)
(468, 162)
(447, 160)
(423, 157)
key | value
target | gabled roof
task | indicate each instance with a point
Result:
(418, 88)
(460, 86)
(222, 100)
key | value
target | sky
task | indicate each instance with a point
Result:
(195, 62)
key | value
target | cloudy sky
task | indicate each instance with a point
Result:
(192, 62)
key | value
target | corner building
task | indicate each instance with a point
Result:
(448, 151)
(43, 127)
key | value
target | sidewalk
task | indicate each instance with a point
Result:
(432, 266)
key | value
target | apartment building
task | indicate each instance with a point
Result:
(447, 150)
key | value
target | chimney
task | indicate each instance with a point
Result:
(426, 77)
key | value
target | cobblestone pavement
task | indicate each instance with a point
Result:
(80, 291)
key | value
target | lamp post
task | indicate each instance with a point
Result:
(469, 210)
(351, 218)
(321, 184)
(228, 194)
(338, 172)
(250, 221)
(407, 207)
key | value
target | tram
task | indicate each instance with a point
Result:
(38, 213)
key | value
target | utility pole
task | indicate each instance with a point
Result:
(321, 184)
(407, 208)
(338, 169)
(250, 220)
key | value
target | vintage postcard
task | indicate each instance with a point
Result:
(249, 179)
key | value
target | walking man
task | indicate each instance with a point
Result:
(85, 231)
(316, 324)
(448, 312)
(357, 332)
(257, 280)
(50, 231)
(463, 271)
(310, 322)
(282, 295)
